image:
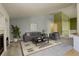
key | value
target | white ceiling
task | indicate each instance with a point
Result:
(25, 9)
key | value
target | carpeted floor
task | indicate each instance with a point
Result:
(30, 48)
(58, 50)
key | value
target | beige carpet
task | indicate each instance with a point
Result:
(30, 48)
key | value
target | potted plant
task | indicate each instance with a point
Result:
(15, 30)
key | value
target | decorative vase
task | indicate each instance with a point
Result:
(15, 39)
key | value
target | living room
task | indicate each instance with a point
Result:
(41, 27)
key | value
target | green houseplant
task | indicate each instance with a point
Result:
(15, 30)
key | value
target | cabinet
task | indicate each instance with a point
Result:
(62, 22)
(75, 42)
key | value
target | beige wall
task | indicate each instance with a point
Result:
(77, 18)
(53, 27)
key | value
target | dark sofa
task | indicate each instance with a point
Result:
(35, 37)
(29, 36)
(54, 35)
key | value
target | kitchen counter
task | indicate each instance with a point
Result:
(75, 42)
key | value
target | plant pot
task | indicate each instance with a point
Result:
(15, 39)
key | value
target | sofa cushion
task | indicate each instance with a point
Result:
(28, 34)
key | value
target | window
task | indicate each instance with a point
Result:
(33, 27)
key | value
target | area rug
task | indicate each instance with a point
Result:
(29, 48)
